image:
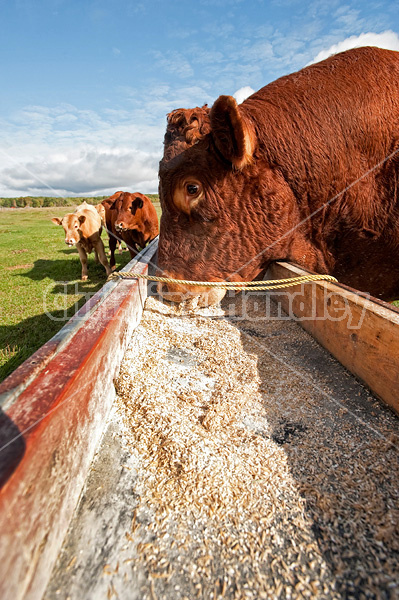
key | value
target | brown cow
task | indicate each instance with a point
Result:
(103, 212)
(83, 230)
(114, 239)
(305, 170)
(131, 218)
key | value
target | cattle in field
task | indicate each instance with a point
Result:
(114, 240)
(100, 208)
(304, 170)
(131, 218)
(83, 230)
(101, 211)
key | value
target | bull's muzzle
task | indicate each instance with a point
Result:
(174, 292)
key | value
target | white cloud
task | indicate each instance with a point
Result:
(83, 172)
(387, 39)
(66, 151)
(243, 93)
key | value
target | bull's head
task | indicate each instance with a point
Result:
(222, 203)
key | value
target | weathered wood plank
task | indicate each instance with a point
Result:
(360, 331)
(52, 420)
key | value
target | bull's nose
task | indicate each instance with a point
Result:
(178, 294)
(171, 295)
(119, 226)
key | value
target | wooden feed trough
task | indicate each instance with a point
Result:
(194, 417)
(359, 330)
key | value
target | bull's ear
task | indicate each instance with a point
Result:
(234, 136)
(56, 221)
(82, 219)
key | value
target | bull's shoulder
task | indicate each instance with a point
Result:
(336, 78)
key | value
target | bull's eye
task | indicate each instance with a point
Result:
(188, 194)
(192, 189)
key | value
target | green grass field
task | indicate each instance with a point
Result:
(40, 286)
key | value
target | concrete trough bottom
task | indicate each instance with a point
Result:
(53, 412)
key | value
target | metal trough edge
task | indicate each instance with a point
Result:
(53, 411)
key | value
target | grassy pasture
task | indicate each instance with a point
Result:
(40, 285)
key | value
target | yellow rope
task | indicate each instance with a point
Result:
(228, 285)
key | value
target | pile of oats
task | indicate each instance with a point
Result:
(264, 470)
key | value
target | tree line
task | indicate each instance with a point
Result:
(47, 201)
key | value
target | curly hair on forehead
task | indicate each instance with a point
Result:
(187, 124)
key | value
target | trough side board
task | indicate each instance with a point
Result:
(362, 332)
(52, 418)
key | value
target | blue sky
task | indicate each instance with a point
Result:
(86, 85)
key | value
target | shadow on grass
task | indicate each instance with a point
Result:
(61, 298)
(70, 269)
(18, 342)
(68, 251)
(62, 295)
(66, 270)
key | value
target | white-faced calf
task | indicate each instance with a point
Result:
(83, 230)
